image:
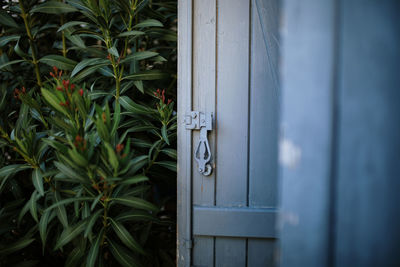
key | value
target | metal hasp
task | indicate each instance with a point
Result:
(197, 120)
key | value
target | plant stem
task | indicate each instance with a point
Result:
(35, 61)
(64, 46)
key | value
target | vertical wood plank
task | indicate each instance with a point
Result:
(368, 171)
(261, 252)
(264, 107)
(232, 119)
(264, 104)
(308, 38)
(184, 199)
(204, 72)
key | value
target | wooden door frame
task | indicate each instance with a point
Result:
(184, 170)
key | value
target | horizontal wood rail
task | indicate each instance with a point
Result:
(234, 222)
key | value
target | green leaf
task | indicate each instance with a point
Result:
(92, 220)
(113, 51)
(136, 215)
(61, 211)
(116, 118)
(74, 258)
(130, 33)
(164, 133)
(89, 70)
(9, 63)
(123, 256)
(126, 237)
(131, 106)
(77, 158)
(70, 233)
(147, 75)
(170, 152)
(71, 24)
(37, 180)
(149, 23)
(139, 86)
(170, 165)
(94, 250)
(68, 201)
(43, 223)
(20, 244)
(69, 172)
(135, 202)
(88, 62)
(6, 39)
(112, 157)
(13, 169)
(53, 7)
(33, 206)
(135, 179)
(53, 100)
(139, 56)
(7, 20)
(59, 61)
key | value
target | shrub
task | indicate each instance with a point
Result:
(88, 159)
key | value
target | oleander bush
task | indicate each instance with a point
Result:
(87, 133)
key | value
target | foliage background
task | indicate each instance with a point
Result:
(119, 53)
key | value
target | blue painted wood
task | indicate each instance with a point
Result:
(308, 34)
(261, 252)
(368, 168)
(234, 222)
(204, 98)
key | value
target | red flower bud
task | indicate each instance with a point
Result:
(59, 88)
(119, 148)
(81, 92)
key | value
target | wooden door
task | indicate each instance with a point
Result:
(228, 53)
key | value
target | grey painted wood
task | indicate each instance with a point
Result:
(232, 119)
(204, 75)
(308, 33)
(230, 252)
(234, 222)
(368, 170)
(261, 252)
(184, 136)
(263, 128)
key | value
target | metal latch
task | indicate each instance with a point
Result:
(197, 120)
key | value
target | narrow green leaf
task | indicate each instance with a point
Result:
(136, 215)
(123, 256)
(139, 56)
(135, 202)
(170, 152)
(130, 33)
(116, 118)
(149, 23)
(70, 233)
(53, 101)
(71, 24)
(9, 63)
(133, 107)
(139, 86)
(78, 158)
(13, 169)
(74, 258)
(164, 133)
(20, 244)
(69, 172)
(43, 223)
(6, 39)
(53, 7)
(112, 157)
(147, 75)
(37, 180)
(113, 51)
(88, 62)
(94, 250)
(89, 70)
(33, 206)
(61, 211)
(135, 179)
(59, 61)
(170, 165)
(63, 202)
(126, 237)
(7, 20)
(92, 220)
